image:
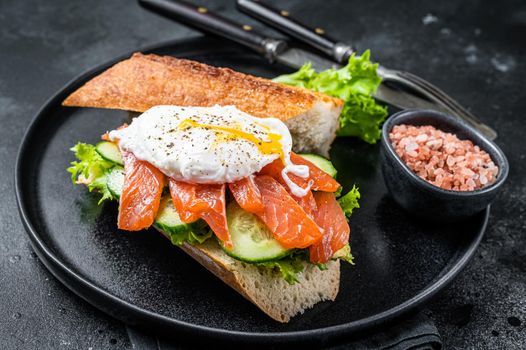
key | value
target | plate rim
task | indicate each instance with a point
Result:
(96, 295)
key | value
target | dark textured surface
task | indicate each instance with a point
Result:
(409, 259)
(474, 50)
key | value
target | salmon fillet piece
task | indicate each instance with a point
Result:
(330, 217)
(208, 202)
(287, 220)
(247, 195)
(321, 181)
(307, 202)
(141, 194)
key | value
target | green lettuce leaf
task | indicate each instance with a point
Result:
(90, 164)
(289, 267)
(361, 116)
(91, 169)
(344, 254)
(191, 237)
(355, 83)
(349, 202)
(99, 184)
(195, 236)
(302, 78)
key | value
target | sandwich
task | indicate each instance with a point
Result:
(218, 163)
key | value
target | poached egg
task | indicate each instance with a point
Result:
(209, 145)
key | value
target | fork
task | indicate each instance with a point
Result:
(441, 100)
(409, 90)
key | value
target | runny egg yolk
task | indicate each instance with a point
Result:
(270, 146)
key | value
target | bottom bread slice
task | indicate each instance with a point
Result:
(265, 287)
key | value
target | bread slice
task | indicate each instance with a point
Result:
(144, 81)
(266, 288)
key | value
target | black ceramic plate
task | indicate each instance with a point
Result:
(142, 279)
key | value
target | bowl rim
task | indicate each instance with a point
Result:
(501, 161)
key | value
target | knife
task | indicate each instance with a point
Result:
(275, 50)
(202, 19)
(398, 88)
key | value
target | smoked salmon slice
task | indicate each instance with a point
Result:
(247, 195)
(307, 202)
(289, 223)
(141, 194)
(331, 219)
(321, 180)
(184, 197)
(208, 202)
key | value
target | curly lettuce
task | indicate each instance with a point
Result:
(91, 169)
(294, 264)
(354, 83)
(290, 267)
(344, 254)
(349, 201)
(196, 235)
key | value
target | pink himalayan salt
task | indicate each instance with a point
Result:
(442, 159)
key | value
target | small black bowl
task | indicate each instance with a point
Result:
(423, 199)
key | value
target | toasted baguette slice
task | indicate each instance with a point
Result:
(144, 81)
(266, 288)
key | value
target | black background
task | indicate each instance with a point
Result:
(475, 50)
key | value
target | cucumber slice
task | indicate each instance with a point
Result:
(169, 222)
(321, 162)
(115, 181)
(109, 151)
(251, 238)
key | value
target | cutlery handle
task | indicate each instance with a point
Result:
(200, 18)
(281, 20)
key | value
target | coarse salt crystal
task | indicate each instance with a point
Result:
(434, 144)
(442, 159)
(421, 138)
(467, 172)
(411, 146)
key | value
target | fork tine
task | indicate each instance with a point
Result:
(438, 92)
(439, 97)
(455, 106)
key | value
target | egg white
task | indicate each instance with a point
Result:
(206, 154)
